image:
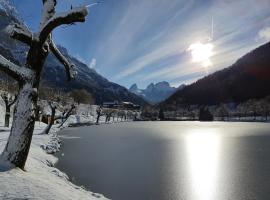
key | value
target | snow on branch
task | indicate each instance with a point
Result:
(12, 101)
(66, 115)
(69, 17)
(21, 33)
(48, 11)
(14, 71)
(70, 68)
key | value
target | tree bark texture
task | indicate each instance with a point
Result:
(28, 76)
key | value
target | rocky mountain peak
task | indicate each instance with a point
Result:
(150, 86)
(154, 93)
(134, 87)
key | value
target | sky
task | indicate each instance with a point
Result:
(145, 41)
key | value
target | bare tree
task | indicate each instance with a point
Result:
(28, 76)
(129, 115)
(9, 101)
(222, 112)
(253, 107)
(161, 115)
(82, 96)
(54, 97)
(8, 95)
(53, 107)
(99, 112)
(241, 110)
(66, 114)
(108, 112)
(123, 115)
(264, 107)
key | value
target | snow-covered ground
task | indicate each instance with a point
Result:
(40, 180)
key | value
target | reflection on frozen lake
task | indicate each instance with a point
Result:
(170, 160)
(203, 157)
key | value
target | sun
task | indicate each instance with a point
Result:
(201, 53)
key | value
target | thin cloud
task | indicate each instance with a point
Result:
(172, 40)
(80, 58)
(92, 63)
(133, 40)
(263, 34)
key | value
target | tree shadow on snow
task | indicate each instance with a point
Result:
(4, 165)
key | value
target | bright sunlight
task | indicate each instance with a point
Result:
(201, 53)
(203, 153)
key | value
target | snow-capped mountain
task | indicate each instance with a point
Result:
(53, 73)
(155, 93)
(134, 89)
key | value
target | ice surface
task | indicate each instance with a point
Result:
(40, 180)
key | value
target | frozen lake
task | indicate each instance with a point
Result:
(170, 160)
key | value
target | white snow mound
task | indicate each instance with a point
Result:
(40, 180)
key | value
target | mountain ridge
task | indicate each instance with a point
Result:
(248, 77)
(154, 93)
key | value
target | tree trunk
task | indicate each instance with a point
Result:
(66, 116)
(28, 76)
(49, 126)
(20, 137)
(7, 116)
(98, 116)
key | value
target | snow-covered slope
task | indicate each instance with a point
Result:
(40, 180)
(7, 7)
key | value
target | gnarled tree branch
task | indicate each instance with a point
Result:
(47, 12)
(51, 122)
(21, 33)
(14, 71)
(8, 101)
(70, 68)
(66, 115)
(72, 16)
(12, 101)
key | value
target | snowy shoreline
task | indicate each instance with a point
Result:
(40, 180)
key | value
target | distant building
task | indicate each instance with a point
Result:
(121, 105)
(110, 104)
(129, 106)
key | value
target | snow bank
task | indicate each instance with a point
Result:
(40, 180)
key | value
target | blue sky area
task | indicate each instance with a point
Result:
(144, 41)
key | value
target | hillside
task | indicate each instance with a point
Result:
(54, 74)
(248, 78)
